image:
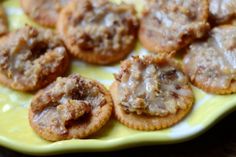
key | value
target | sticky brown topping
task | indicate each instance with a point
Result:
(73, 110)
(101, 27)
(152, 86)
(171, 23)
(68, 100)
(44, 9)
(222, 10)
(3, 21)
(29, 55)
(212, 62)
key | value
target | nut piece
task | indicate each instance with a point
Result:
(72, 110)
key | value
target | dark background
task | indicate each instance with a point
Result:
(219, 141)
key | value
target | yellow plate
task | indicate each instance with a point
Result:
(16, 134)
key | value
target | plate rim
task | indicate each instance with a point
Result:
(96, 145)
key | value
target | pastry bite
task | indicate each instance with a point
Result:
(43, 12)
(222, 11)
(151, 93)
(98, 31)
(3, 22)
(31, 58)
(169, 25)
(71, 107)
(211, 63)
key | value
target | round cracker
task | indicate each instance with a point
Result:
(207, 62)
(143, 122)
(43, 12)
(159, 38)
(12, 41)
(81, 129)
(108, 56)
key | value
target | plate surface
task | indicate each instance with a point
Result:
(16, 134)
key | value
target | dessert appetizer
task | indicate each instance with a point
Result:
(70, 107)
(98, 31)
(169, 25)
(151, 93)
(43, 12)
(211, 63)
(31, 58)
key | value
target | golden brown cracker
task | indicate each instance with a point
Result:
(210, 63)
(167, 26)
(104, 40)
(44, 12)
(79, 128)
(146, 123)
(29, 66)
